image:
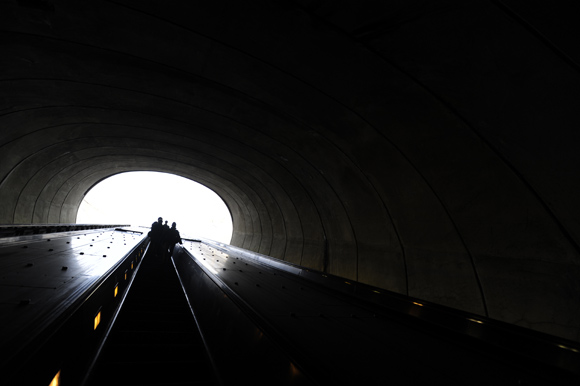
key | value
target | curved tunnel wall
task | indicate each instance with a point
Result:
(409, 147)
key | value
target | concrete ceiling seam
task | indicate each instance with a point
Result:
(131, 155)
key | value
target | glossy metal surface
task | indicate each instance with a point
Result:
(42, 277)
(240, 350)
(15, 230)
(548, 349)
(337, 337)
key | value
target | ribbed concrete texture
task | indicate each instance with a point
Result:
(428, 148)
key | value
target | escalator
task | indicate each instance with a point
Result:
(154, 340)
(269, 322)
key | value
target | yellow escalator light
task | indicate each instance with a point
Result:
(294, 370)
(55, 380)
(116, 290)
(97, 319)
(568, 348)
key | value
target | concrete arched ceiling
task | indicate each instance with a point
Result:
(428, 148)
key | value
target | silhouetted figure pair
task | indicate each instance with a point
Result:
(163, 238)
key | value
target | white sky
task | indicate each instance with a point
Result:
(139, 198)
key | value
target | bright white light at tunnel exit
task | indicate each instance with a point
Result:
(139, 198)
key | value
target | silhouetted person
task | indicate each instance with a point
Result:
(156, 229)
(174, 238)
(156, 235)
(165, 238)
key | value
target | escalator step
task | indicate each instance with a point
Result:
(144, 353)
(159, 337)
(153, 373)
(154, 324)
(154, 340)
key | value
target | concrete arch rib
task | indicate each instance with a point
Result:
(232, 148)
(65, 186)
(153, 164)
(150, 147)
(240, 208)
(346, 252)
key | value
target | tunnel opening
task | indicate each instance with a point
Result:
(139, 198)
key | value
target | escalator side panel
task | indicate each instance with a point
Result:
(241, 350)
(337, 338)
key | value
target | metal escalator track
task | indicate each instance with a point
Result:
(336, 331)
(154, 340)
(269, 322)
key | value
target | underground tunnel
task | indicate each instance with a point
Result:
(427, 149)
